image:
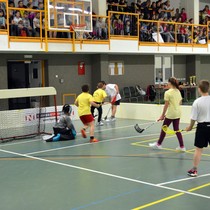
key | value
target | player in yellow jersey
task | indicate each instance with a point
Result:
(83, 102)
(171, 114)
(99, 95)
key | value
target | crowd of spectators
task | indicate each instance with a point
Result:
(168, 24)
(164, 17)
(25, 23)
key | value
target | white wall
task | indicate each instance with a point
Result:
(149, 112)
(176, 4)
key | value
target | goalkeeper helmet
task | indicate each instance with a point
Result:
(67, 109)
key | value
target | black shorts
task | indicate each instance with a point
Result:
(116, 103)
(202, 136)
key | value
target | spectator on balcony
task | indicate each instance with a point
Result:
(11, 12)
(112, 25)
(126, 17)
(160, 1)
(119, 27)
(105, 29)
(26, 2)
(36, 24)
(205, 21)
(172, 31)
(27, 25)
(3, 7)
(123, 4)
(11, 4)
(168, 8)
(99, 27)
(40, 6)
(128, 28)
(144, 32)
(36, 2)
(205, 35)
(146, 9)
(183, 34)
(191, 21)
(206, 10)
(21, 6)
(14, 24)
(101, 30)
(31, 14)
(161, 11)
(201, 37)
(138, 5)
(111, 5)
(164, 31)
(183, 15)
(22, 31)
(179, 20)
(153, 8)
(146, 4)
(2, 19)
(177, 14)
(158, 6)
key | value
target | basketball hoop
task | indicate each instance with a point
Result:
(79, 30)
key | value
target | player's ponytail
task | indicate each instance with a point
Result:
(174, 82)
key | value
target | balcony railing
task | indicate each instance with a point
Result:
(33, 27)
(172, 33)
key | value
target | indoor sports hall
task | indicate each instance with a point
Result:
(88, 89)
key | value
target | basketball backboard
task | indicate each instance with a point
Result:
(64, 13)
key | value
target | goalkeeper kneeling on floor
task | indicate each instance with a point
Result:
(64, 130)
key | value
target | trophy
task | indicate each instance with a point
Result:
(191, 80)
(194, 80)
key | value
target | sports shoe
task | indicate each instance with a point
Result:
(192, 173)
(181, 149)
(94, 140)
(155, 146)
(57, 137)
(112, 119)
(107, 120)
(95, 116)
(47, 137)
(83, 133)
(100, 124)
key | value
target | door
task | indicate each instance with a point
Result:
(18, 77)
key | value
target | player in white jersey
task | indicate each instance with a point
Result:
(201, 115)
(112, 91)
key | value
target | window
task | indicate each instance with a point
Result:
(163, 68)
(116, 68)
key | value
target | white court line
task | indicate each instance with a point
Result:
(88, 143)
(106, 174)
(97, 131)
(21, 142)
(181, 180)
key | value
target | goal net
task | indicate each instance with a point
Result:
(37, 118)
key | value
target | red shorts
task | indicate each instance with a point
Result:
(87, 119)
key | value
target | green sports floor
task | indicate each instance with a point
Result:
(118, 173)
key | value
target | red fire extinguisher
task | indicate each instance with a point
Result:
(81, 68)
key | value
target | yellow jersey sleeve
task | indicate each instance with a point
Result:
(104, 94)
(91, 98)
(166, 96)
